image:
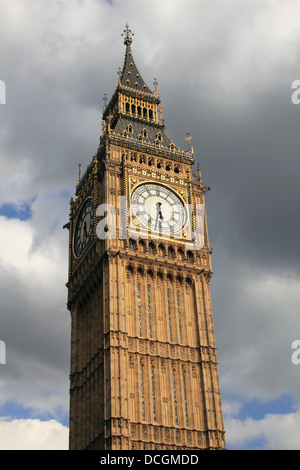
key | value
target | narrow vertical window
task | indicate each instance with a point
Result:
(149, 313)
(170, 322)
(139, 310)
(179, 316)
(185, 401)
(153, 395)
(143, 394)
(175, 400)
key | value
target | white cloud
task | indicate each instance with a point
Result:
(218, 64)
(274, 431)
(33, 434)
(258, 319)
(34, 318)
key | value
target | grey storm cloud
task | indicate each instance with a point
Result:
(224, 72)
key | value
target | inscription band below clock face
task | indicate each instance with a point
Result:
(84, 227)
(158, 208)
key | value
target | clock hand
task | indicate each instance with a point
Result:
(84, 229)
(158, 214)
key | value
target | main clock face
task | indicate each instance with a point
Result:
(84, 227)
(158, 208)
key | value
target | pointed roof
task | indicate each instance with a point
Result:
(133, 127)
(130, 76)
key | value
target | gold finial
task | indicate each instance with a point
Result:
(105, 99)
(155, 85)
(120, 74)
(188, 138)
(127, 33)
(79, 172)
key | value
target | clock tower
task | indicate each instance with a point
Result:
(144, 371)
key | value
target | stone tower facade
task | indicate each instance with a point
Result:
(144, 371)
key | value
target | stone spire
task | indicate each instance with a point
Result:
(130, 77)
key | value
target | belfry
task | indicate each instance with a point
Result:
(144, 371)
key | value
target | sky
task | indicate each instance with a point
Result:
(225, 71)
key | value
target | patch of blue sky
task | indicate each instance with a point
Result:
(14, 211)
(12, 410)
(257, 409)
(65, 194)
(257, 443)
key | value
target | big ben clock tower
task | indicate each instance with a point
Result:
(144, 372)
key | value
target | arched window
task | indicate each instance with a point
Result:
(151, 248)
(142, 246)
(139, 309)
(149, 311)
(170, 316)
(175, 399)
(161, 250)
(153, 393)
(179, 316)
(185, 401)
(180, 254)
(143, 393)
(132, 244)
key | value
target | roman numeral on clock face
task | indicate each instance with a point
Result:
(159, 208)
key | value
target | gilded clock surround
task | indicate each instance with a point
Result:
(182, 194)
(87, 201)
(144, 371)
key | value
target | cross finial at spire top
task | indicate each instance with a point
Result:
(188, 138)
(127, 33)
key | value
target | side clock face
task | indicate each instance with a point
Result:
(158, 208)
(84, 227)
